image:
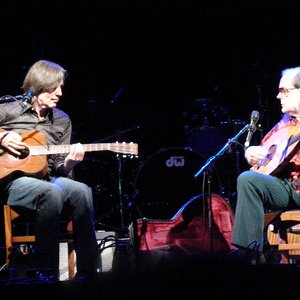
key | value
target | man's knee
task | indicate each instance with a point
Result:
(81, 194)
(51, 194)
(247, 177)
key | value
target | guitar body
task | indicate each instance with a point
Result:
(280, 150)
(35, 166)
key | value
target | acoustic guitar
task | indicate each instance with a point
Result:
(282, 146)
(33, 159)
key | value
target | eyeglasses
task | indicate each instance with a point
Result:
(285, 91)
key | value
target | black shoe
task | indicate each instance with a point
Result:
(85, 276)
(247, 257)
(255, 257)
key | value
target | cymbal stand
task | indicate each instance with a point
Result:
(120, 194)
(207, 169)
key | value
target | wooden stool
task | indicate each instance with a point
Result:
(283, 232)
(11, 214)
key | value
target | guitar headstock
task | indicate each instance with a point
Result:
(125, 148)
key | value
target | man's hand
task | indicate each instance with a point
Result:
(12, 142)
(255, 154)
(75, 156)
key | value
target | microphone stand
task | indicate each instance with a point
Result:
(120, 196)
(206, 168)
(9, 98)
(118, 136)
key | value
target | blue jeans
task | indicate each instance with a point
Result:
(256, 192)
(48, 200)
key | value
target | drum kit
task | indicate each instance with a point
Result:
(165, 180)
(160, 185)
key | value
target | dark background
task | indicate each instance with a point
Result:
(163, 74)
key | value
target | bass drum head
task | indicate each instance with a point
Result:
(166, 181)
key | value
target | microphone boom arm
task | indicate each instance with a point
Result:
(222, 150)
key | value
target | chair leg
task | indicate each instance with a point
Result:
(284, 258)
(71, 259)
(9, 216)
(8, 235)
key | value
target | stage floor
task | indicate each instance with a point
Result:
(161, 274)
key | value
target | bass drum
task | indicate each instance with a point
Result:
(166, 181)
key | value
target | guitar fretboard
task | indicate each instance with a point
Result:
(125, 148)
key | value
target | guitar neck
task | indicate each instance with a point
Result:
(129, 148)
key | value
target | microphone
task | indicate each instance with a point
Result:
(27, 97)
(252, 127)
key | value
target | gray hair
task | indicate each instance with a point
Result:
(296, 75)
(44, 76)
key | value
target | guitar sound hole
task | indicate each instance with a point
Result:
(24, 153)
(270, 155)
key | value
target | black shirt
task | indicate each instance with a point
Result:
(56, 127)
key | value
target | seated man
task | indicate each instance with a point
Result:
(51, 188)
(271, 183)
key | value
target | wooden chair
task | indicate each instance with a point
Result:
(283, 233)
(11, 215)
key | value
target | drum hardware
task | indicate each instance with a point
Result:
(206, 169)
(204, 112)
